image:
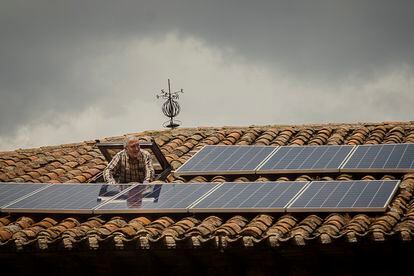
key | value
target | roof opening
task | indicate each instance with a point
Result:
(161, 166)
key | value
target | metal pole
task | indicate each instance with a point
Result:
(170, 100)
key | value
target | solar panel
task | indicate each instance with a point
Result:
(345, 196)
(156, 198)
(381, 158)
(306, 159)
(65, 198)
(249, 197)
(221, 159)
(10, 192)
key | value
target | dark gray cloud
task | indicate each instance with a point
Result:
(53, 53)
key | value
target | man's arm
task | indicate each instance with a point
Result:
(113, 166)
(149, 169)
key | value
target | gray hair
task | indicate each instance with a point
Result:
(130, 138)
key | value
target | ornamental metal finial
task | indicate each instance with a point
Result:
(170, 108)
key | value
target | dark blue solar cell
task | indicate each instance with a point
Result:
(294, 158)
(331, 157)
(345, 196)
(157, 198)
(323, 156)
(226, 155)
(387, 157)
(369, 192)
(249, 197)
(408, 161)
(10, 192)
(384, 192)
(381, 157)
(66, 198)
(251, 159)
(349, 198)
(394, 157)
(310, 159)
(319, 198)
(371, 154)
(337, 194)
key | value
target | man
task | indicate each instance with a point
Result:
(130, 165)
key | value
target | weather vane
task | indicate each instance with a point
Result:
(170, 108)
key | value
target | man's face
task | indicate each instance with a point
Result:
(133, 148)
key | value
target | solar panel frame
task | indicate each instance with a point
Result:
(100, 209)
(291, 208)
(13, 207)
(181, 172)
(326, 169)
(195, 208)
(14, 197)
(397, 169)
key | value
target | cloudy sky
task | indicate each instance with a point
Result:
(77, 70)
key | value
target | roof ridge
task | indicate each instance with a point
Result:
(211, 128)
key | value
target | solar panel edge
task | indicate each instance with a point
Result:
(379, 170)
(236, 210)
(138, 211)
(49, 211)
(333, 210)
(298, 171)
(192, 173)
(394, 191)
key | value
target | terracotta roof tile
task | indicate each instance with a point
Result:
(282, 227)
(4, 221)
(232, 227)
(257, 226)
(206, 227)
(178, 229)
(331, 227)
(233, 136)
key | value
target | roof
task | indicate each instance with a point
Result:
(81, 162)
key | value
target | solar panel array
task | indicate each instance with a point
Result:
(306, 159)
(164, 198)
(296, 196)
(345, 196)
(64, 198)
(233, 197)
(225, 160)
(249, 197)
(220, 159)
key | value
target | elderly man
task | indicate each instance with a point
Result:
(130, 165)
